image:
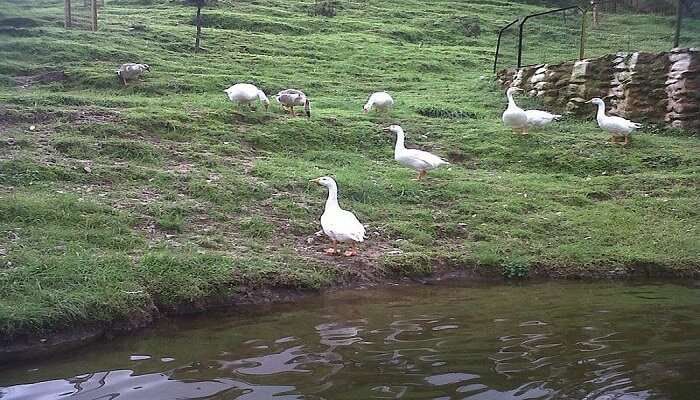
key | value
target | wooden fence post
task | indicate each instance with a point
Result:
(66, 14)
(94, 15)
(594, 6)
(199, 25)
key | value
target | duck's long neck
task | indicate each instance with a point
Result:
(511, 101)
(601, 111)
(332, 201)
(399, 142)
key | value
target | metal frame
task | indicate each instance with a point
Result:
(521, 26)
(681, 7)
(498, 44)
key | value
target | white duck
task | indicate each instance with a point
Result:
(539, 118)
(245, 93)
(514, 116)
(421, 161)
(292, 97)
(338, 224)
(131, 70)
(616, 126)
(380, 101)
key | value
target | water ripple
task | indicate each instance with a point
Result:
(465, 344)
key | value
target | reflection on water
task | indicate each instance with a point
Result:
(539, 341)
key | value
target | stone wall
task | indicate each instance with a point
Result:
(650, 87)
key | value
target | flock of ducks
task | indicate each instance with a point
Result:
(342, 226)
(520, 120)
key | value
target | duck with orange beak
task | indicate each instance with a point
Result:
(514, 116)
(338, 224)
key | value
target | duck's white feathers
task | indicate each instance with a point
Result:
(539, 118)
(379, 100)
(338, 224)
(245, 93)
(342, 225)
(418, 159)
(616, 126)
(514, 116)
(131, 70)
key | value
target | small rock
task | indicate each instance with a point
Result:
(32, 127)
(87, 169)
(309, 240)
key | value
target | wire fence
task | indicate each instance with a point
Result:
(633, 25)
(507, 47)
(602, 27)
(81, 14)
(561, 27)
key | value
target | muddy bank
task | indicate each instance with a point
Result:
(26, 347)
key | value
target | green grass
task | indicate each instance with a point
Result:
(163, 193)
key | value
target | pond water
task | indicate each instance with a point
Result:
(555, 340)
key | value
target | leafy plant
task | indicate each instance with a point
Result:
(516, 268)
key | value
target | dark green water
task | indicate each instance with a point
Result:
(599, 341)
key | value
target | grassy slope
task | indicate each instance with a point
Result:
(188, 198)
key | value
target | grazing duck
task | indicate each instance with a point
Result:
(421, 161)
(514, 116)
(130, 71)
(338, 224)
(245, 93)
(539, 118)
(292, 97)
(616, 126)
(380, 101)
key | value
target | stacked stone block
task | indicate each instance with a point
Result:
(683, 90)
(651, 87)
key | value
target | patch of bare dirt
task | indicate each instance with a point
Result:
(27, 81)
(85, 116)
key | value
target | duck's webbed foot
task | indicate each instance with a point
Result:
(333, 249)
(351, 251)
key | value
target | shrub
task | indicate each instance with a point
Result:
(326, 8)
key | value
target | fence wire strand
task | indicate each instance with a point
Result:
(609, 26)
